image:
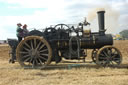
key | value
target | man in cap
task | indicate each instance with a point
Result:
(25, 30)
(19, 31)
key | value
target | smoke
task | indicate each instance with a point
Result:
(111, 19)
(93, 13)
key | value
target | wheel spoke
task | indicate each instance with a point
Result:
(26, 56)
(114, 52)
(114, 55)
(102, 54)
(41, 46)
(110, 52)
(117, 62)
(35, 43)
(44, 50)
(105, 53)
(40, 62)
(111, 62)
(33, 63)
(42, 58)
(26, 49)
(23, 52)
(31, 45)
(30, 61)
(36, 61)
(38, 45)
(27, 45)
(44, 54)
(116, 59)
(102, 57)
(27, 59)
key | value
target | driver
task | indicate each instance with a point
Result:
(19, 31)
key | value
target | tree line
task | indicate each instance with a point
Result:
(124, 34)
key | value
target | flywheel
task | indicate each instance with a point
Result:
(108, 56)
(34, 52)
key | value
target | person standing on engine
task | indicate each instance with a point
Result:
(25, 30)
(19, 31)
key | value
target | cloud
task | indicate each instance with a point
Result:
(36, 3)
(56, 11)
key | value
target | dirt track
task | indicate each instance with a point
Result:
(88, 74)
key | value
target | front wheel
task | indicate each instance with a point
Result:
(108, 56)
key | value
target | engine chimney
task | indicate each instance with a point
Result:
(101, 22)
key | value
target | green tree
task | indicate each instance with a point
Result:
(124, 34)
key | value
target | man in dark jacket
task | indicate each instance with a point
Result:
(25, 30)
(19, 31)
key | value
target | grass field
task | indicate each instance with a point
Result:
(87, 74)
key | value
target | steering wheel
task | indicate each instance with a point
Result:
(61, 26)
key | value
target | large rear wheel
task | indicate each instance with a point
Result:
(34, 52)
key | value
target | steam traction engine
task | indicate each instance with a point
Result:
(39, 49)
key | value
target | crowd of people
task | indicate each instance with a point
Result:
(22, 31)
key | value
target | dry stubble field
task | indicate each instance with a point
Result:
(89, 74)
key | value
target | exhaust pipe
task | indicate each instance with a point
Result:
(101, 22)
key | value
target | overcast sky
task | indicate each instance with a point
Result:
(41, 13)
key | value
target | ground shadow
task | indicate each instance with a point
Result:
(71, 65)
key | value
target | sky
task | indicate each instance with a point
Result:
(43, 13)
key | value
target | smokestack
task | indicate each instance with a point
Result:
(101, 22)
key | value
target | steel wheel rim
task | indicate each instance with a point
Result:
(34, 52)
(109, 56)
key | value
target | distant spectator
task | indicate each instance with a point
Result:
(19, 31)
(25, 30)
